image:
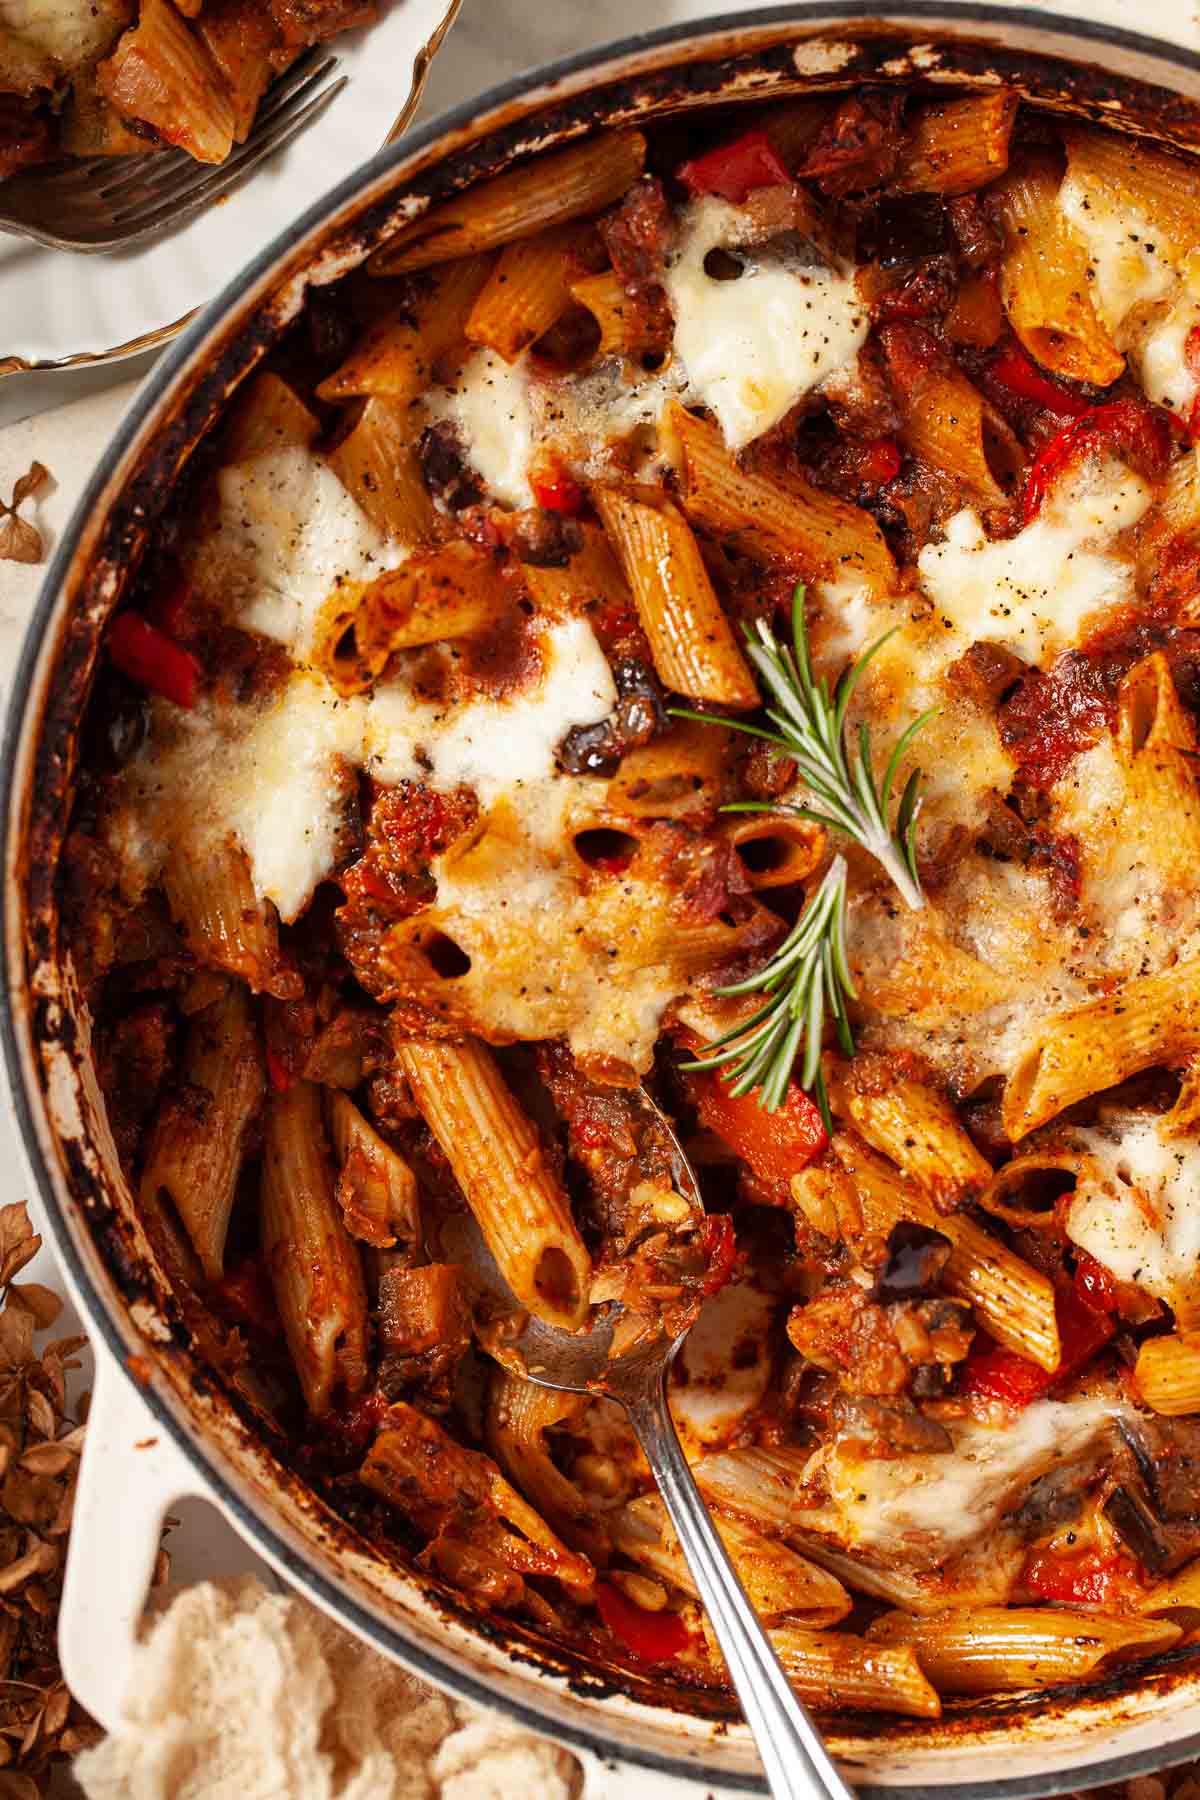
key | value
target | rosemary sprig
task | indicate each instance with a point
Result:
(809, 970)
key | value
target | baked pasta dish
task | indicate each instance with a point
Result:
(717, 613)
(123, 77)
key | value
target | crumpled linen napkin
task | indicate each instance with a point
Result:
(241, 1694)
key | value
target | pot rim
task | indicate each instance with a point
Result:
(21, 720)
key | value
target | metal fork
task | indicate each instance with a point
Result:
(113, 202)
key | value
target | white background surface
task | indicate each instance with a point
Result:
(493, 40)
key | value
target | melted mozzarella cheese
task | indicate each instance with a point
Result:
(1162, 367)
(556, 950)
(1033, 592)
(488, 402)
(287, 789)
(752, 346)
(275, 776)
(724, 1368)
(492, 745)
(1136, 1208)
(918, 1510)
(288, 535)
(1129, 262)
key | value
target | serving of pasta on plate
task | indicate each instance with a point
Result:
(125, 77)
(716, 610)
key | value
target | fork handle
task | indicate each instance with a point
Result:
(793, 1754)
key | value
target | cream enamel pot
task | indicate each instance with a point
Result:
(162, 1427)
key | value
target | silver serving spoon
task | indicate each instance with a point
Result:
(793, 1754)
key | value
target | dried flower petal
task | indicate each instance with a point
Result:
(44, 1304)
(36, 476)
(41, 1415)
(16, 1338)
(18, 1787)
(19, 1243)
(39, 1559)
(19, 541)
(48, 1459)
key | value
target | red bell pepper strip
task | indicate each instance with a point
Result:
(734, 170)
(1093, 1286)
(1086, 1578)
(719, 1244)
(1014, 370)
(653, 1637)
(152, 659)
(775, 1145)
(556, 491)
(994, 1373)
(1126, 425)
(878, 462)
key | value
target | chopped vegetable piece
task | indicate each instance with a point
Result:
(1085, 1578)
(653, 1637)
(1094, 1286)
(993, 1373)
(152, 659)
(1127, 427)
(1013, 370)
(556, 491)
(734, 170)
(776, 1145)
(719, 1245)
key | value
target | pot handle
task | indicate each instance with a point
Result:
(129, 1474)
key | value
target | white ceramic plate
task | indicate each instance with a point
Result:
(59, 310)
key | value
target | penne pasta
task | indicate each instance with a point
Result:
(1156, 742)
(376, 1189)
(313, 1264)
(950, 426)
(450, 593)
(199, 1138)
(1013, 1300)
(499, 1163)
(517, 1417)
(1151, 1019)
(591, 580)
(770, 516)
(917, 1128)
(956, 145)
(549, 190)
(376, 462)
(675, 776)
(212, 899)
(692, 642)
(527, 291)
(776, 850)
(1135, 177)
(1167, 1374)
(162, 75)
(269, 416)
(776, 1580)
(1179, 1592)
(626, 326)
(1044, 279)
(835, 1670)
(991, 1649)
(468, 1498)
(399, 355)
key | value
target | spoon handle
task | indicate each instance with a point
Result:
(793, 1754)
